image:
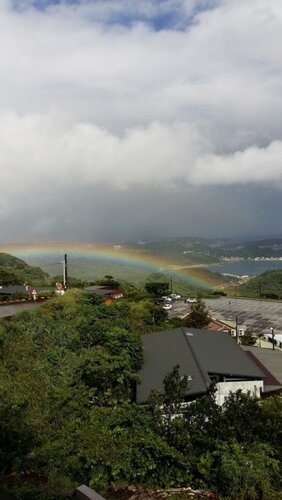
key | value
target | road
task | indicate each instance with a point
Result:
(8, 310)
(258, 315)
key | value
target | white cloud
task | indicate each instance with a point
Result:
(87, 100)
(44, 151)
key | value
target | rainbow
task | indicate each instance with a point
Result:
(112, 254)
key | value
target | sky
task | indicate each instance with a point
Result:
(130, 120)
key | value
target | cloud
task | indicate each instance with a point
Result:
(159, 14)
(39, 151)
(177, 96)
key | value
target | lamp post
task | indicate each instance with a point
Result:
(273, 341)
(237, 330)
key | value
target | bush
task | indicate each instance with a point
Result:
(246, 473)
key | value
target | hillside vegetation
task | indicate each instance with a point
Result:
(67, 411)
(14, 271)
(266, 285)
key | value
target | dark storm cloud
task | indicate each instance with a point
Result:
(101, 214)
(115, 130)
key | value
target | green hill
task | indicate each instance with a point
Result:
(14, 271)
(266, 285)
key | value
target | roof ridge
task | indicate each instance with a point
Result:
(205, 376)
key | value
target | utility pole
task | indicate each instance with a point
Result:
(273, 341)
(65, 271)
(237, 331)
(260, 289)
(171, 284)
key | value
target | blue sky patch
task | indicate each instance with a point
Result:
(164, 15)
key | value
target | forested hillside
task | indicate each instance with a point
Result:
(67, 377)
(14, 271)
(267, 285)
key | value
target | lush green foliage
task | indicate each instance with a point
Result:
(199, 316)
(72, 282)
(157, 288)
(67, 377)
(108, 280)
(249, 338)
(14, 271)
(268, 285)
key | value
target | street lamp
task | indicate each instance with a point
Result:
(273, 341)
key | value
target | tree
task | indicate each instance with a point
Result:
(175, 387)
(72, 281)
(108, 280)
(248, 338)
(245, 472)
(199, 316)
(157, 288)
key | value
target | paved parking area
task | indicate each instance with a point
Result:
(258, 315)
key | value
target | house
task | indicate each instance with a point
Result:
(270, 363)
(217, 325)
(107, 292)
(202, 356)
(24, 290)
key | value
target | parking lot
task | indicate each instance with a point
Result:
(257, 315)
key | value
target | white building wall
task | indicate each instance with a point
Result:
(254, 387)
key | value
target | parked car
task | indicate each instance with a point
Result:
(167, 299)
(175, 296)
(166, 307)
(190, 301)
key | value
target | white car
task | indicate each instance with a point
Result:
(191, 301)
(175, 296)
(166, 307)
(167, 299)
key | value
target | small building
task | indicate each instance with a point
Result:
(24, 290)
(270, 363)
(203, 356)
(109, 294)
(9, 290)
(217, 325)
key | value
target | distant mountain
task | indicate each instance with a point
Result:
(14, 271)
(207, 250)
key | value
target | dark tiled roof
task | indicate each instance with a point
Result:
(270, 362)
(10, 289)
(198, 353)
(102, 290)
(218, 353)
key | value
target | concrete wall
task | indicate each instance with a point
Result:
(85, 493)
(254, 387)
